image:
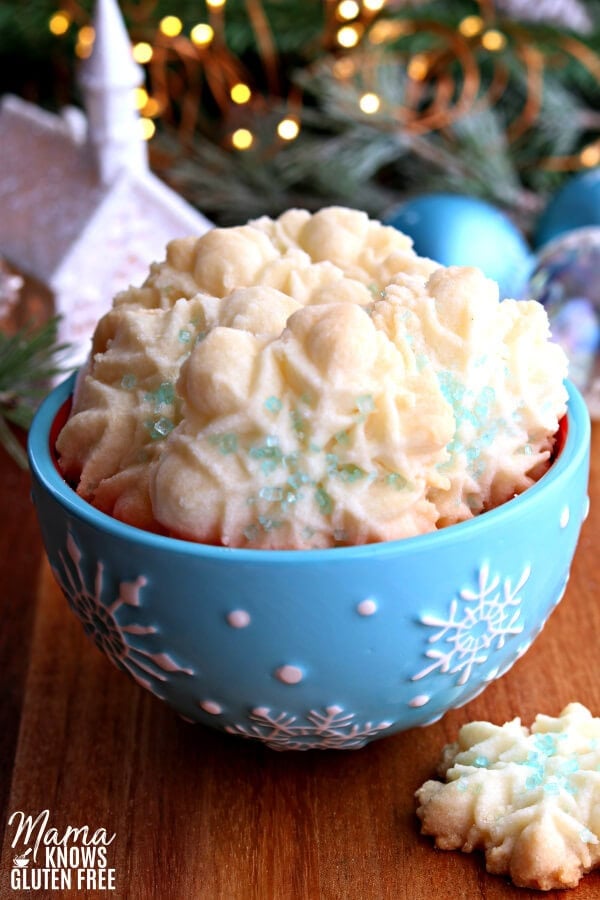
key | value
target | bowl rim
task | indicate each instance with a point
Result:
(44, 470)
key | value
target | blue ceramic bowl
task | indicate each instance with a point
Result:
(316, 648)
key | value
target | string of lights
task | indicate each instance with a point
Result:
(448, 77)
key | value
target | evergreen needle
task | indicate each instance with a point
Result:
(12, 445)
(29, 359)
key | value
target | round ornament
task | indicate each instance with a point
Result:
(457, 230)
(566, 280)
(575, 205)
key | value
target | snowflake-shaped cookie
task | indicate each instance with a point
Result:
(529, 798)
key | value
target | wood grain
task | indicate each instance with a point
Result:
(202, 815)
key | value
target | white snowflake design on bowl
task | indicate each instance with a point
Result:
(479, 622)
(101, 622)
(331, 729)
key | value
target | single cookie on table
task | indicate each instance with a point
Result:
(530, 798)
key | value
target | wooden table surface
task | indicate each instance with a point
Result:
(197, 814)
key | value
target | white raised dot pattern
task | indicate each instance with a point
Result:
(238, 618)
(211, 706)
(289, 674)
(366, 607)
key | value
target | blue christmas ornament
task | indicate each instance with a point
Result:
(566, 280)
(576, 205)
(465, 231)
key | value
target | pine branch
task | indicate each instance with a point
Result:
(29, 360)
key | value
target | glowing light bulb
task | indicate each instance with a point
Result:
(171, 26)
(348, 36)
(344, 67)
(215, 4)
(348, 9)
(373, 5)
(470, 26)
(242, 139)
(240, 93)
(83, 50)
(59, 22)
(148, 128)
(288, 129)
(202, 34)
(152, 107)
(590, 156)
(140, 95)
(493, 40)
(369, 103)
(386, 30)
(86, 35)
(418, 67)
(142, 52)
